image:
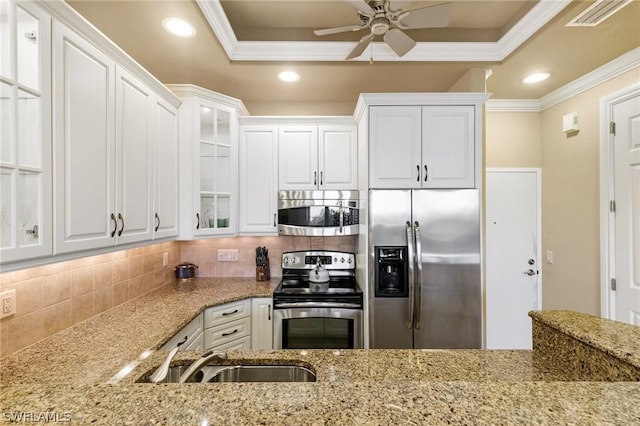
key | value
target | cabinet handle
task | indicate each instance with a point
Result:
(275, 216)
(426, 172)
(315, 178)
(121, 229)
(157, 222)
(229, 334)
(321, 183)
(269, 311)
(115, 225)
(198, 219)
(418, 178)
(224, 314)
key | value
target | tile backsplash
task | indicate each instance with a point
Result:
(53, 297)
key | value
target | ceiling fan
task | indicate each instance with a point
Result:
(387, 18)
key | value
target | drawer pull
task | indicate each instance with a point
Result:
(224, 314)
(229, 334)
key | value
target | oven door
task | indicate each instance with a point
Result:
(317, 328)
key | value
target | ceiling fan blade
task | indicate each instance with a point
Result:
(397, 5)
(336, 30)
(426, 17)
(399, 41)
(360, 47)
(361, 6)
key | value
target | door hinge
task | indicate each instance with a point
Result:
(612, 128)
(613, 283)
(612, 206)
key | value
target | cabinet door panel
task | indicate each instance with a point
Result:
(133, 153)
(166, 171)
(448, 147)
(258, 179)
(84, 143)
(338, 158)
(261, 323)
(298, 153)
(395, 146)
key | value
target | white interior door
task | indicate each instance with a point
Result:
(512, 253)
(626, 146)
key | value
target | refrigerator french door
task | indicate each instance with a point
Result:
(425, 274)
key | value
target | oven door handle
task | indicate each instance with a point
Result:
(289, 305)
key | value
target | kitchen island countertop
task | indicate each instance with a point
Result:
(80, 374)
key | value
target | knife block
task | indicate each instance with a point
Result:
(262, 272)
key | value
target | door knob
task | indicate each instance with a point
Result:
(530, 272)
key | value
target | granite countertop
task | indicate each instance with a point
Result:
(81, 374)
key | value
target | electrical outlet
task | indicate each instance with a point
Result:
(227, 255)
(165, 259)
(8, 303)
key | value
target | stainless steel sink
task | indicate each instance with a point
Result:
(242, 373)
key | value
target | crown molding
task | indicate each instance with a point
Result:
(188, 90)
(236, 50)
(626, 62)
(339, 120)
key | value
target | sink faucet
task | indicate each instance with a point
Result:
(162, 371)
(197, 364)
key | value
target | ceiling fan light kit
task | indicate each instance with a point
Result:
(388, 19)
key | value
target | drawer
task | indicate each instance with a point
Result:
(225, 333)
(224, 313)
(191, 331)
(244, 343)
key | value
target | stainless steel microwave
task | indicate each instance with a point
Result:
(318, 213)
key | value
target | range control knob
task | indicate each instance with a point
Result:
(342, 260)
(350, 260)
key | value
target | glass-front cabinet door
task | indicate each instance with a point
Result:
(25, 131)
(216, 180)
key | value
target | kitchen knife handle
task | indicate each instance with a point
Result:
(157, 222)
(198, 220)
(410, 241)
(418, 292)
(418, 168)
(115, 225)
(122, 220)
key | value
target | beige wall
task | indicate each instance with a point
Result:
(512, 139)
(570, 200)
(53, 297)
(570, 188)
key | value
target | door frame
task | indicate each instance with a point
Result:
(607, 231)
(538, 172)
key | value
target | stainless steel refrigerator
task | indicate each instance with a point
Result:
(424, 271)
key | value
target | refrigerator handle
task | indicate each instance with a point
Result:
(410, 259)
(418, 291)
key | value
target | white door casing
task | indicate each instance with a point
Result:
(620, 200)
(512, 242)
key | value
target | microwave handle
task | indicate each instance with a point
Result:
(341, 215)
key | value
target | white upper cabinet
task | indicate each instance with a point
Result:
(313, 157)
(25, 132)
(422, 146)
(258, 185)
(208, 124)
(165, 216)
(84, 141)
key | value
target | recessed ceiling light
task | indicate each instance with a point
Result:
(289, 76)
(536, 77)
(178, 27)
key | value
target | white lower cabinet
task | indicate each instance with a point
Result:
(262, 323)
(226, 325)
(192, 332)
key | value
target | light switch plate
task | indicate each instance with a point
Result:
(227, 255)
(549, 256)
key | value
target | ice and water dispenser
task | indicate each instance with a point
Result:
(391, 278)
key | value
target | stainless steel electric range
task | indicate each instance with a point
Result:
(312, 315)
